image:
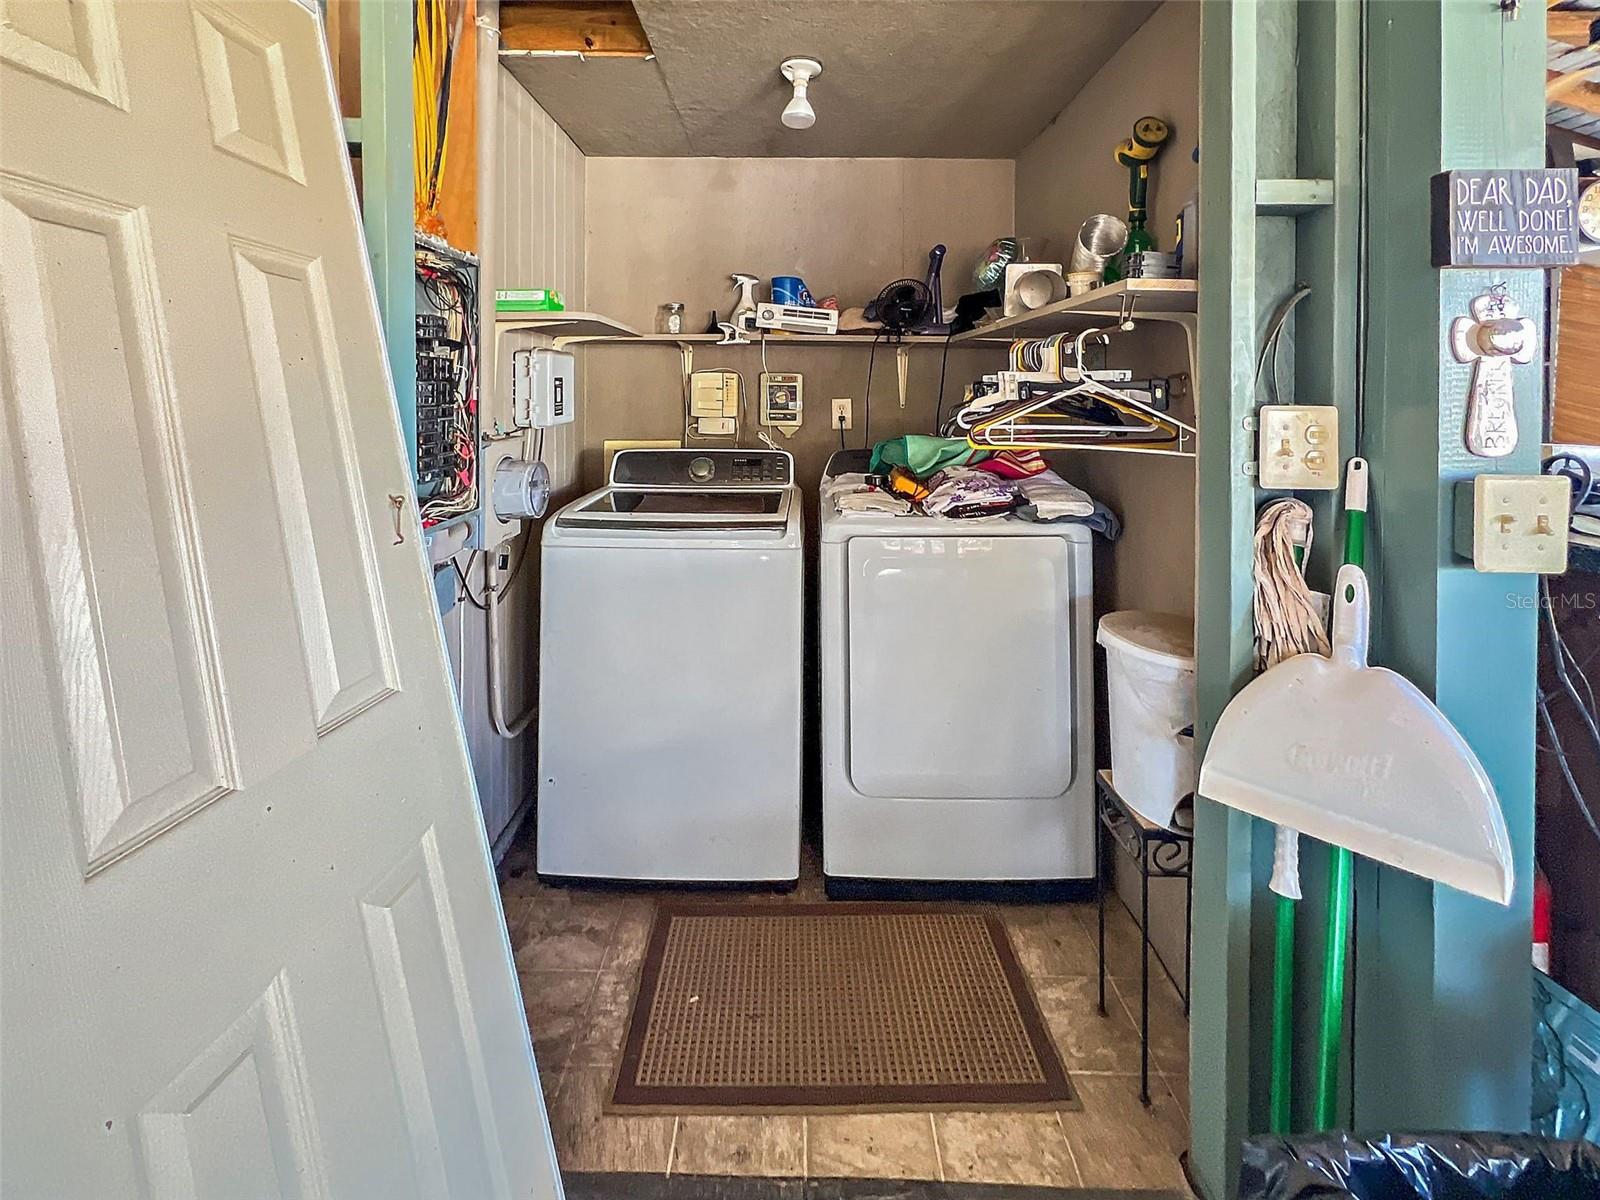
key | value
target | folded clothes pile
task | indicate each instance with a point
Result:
(1052, 497)
(852, 493)
(962, 492)
(947, 478)
(1015, 464)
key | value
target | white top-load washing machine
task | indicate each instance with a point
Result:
(957, 698)
(670, 672)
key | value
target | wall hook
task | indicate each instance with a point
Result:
(397, 505)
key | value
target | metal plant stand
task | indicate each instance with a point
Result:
(1160, 853)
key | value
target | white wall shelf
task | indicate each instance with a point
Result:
(859, 338)
(1153, 299)
(563, 325)
(1156, 299)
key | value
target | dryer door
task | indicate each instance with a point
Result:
(961, 664)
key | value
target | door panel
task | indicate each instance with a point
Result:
(305, 419)
(246, 91)
(411, 937)
(73, 44)
(107, 494)
(253, 944)
(961, 682)
(237, 1122)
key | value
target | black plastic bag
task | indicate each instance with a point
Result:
(1427, 1166)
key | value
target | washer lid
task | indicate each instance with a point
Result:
(681, 508)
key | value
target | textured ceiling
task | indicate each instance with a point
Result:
(900, 78)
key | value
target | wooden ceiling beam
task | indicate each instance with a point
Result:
(1575, 89)
(1555, 132)
(1574, 27)
(603, 28)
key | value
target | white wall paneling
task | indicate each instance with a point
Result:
(532, 237)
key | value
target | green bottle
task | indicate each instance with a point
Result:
(1140, 238)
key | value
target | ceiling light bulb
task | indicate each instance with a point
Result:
(798, 113)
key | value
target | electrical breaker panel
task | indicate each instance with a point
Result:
(446, 398)
(438, 387)
(443, 408)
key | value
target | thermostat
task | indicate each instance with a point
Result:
(782, 405)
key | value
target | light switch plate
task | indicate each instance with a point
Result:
(1298, 447)
(1514, 523)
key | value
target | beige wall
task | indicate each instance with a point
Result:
(1065, 175)
(1068, 173)
(665, 229)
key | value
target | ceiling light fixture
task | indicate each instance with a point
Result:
(798, 113)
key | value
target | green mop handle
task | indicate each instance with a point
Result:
(1279, 1112)
(1282, 1016)
(1341, 893)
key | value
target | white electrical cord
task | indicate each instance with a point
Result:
(491, 621)
(1288, 621)
(761, 430)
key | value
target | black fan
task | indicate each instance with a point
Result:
(912, 305)
(902, 306)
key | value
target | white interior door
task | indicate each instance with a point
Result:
(252, 944)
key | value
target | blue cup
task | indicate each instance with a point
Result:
(791, 289)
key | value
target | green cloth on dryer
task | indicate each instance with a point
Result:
(923, 455)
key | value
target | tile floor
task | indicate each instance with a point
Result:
(578, 952)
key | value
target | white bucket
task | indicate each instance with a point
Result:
(1150, 695)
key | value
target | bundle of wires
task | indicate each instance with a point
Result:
(1569, 673)
(433, 51)
(451, 290)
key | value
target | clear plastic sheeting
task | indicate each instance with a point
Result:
(1435, 1166)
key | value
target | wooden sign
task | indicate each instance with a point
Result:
(1505, 218)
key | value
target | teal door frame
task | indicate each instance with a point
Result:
(384, 133)
(1321, 124)
(1444, 1020)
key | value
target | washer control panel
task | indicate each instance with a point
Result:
(702, 468)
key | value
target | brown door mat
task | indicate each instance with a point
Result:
(853, 1007)
(588, 1185)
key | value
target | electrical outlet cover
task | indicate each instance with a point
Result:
(1514, 523)
(1298, 447)
(841, 409)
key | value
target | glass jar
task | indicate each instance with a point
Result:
(669, 318)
